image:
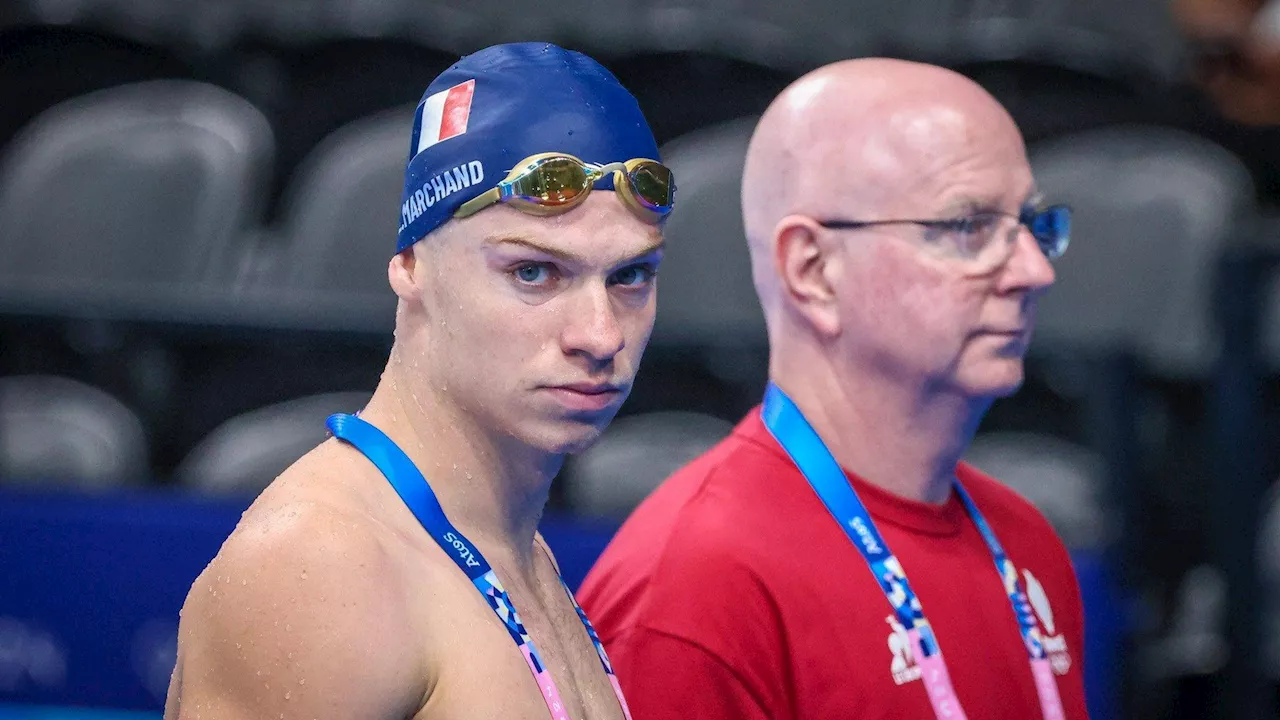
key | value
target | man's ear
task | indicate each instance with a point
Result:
(402, 274)
(808, 269)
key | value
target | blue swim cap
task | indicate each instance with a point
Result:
(494, 108)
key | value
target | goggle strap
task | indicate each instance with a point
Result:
(476, 204)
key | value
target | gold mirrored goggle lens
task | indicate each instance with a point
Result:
(552, 182)
(652, 185)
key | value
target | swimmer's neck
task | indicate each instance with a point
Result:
(493, 488)
(903, 439)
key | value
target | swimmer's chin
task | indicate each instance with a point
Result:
(570, 436)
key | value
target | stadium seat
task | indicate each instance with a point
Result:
(708, 298)
(310, 90)
(1154, 207)
(1269, 558)
(1269, 241)
(324, 266)
(124, 202)
(633, 456)
(1064, 481)
(243, 455)
(1136, 38)
(713, 88)
(343, 206)
(1194, 642)
(821, 31)
(45, 64)
(57, 432)
(1048, 98)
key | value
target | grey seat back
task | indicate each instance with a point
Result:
(1064, 481)
(58, 432)
(634, 455)
(129, 195)
(706, 295)
(1154, 208)
(243, 455)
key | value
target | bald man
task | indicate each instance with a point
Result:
(833, 558)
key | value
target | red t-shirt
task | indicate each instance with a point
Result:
(732, 593)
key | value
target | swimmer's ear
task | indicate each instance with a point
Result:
(402, 274)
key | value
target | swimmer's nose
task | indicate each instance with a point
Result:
(592, 328)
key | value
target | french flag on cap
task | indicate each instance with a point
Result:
(444, 115)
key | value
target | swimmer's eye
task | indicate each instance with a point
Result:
(634, 276)
(535, 274)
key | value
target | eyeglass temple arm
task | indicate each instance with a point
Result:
(857, 224)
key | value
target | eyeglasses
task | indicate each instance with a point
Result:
(554, 183)
(973, 235)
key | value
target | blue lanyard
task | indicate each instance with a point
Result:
(413, 489)
(799, 440)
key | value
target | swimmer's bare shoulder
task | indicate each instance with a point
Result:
(304, 612)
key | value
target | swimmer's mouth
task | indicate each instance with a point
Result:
(588, 388)
(586, 397)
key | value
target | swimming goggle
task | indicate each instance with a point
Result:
(554, 183)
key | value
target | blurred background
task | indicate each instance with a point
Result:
(198, 201)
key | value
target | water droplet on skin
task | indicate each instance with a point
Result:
(303, 681)
(290, 656)
(304, 574)
(287, 627)
(288, 695)
(244, 582)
